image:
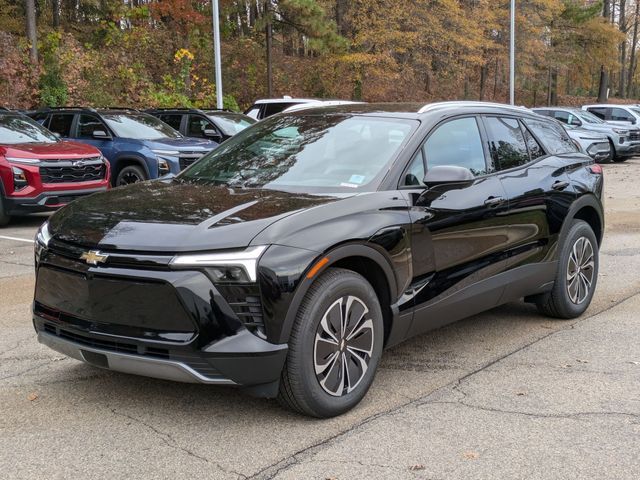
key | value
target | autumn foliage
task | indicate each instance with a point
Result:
(159, 53)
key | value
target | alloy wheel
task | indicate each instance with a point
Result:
(343, 346)
(580, 270)
(129, 177)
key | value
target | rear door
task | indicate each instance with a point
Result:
(531, 156)
(458, 231)
(174, 120)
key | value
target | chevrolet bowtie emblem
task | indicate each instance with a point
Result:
(94, 257)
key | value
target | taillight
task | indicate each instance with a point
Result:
(595, 168)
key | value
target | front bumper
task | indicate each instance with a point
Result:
(134, 315)
(133, 364)
(627, 149)
(599, 150)
(46, 201)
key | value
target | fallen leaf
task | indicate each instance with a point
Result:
(32, 396)
(581, 361)
(418, 466)
(471, 455)
(635, 363)
(520, 394)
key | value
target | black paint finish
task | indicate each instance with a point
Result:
(434, 255)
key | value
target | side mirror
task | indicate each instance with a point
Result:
(575, 122)
(448, 175)
(101, 134)
(57, 135)
(212, 134)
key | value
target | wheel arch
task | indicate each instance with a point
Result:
(589, 209)
(366, 260)
(125, 161)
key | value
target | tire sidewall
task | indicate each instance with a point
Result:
(578, 229)
(139, 172)
(347, 283)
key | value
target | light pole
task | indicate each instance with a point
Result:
(216, 49)
(512, 53)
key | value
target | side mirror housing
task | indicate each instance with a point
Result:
(213, 135)
(101, 134)
(447, 175)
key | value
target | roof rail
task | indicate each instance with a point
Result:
(46, 109)
(120, 108)
(432, 106)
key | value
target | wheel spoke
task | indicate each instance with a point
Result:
(580, 270)
(356, 367)
(333, 382)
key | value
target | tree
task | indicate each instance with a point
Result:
(32, 35)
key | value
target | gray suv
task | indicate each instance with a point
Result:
(624, 140)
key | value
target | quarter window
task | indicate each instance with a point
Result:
(506, 142)
(415, 173)
(621, 115)
(535, 150)
(600, 112)
(553, 136)
(456, 142)
(60, 123)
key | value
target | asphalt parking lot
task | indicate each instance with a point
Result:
(507, 394)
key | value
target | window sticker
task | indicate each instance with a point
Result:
(350, 185)
(357, 179)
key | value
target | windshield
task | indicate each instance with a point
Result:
(635, 110)
(139, 126)
(231, 123)
(20, 129)
(588, 117)
(306, 153)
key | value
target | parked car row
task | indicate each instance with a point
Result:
(593, 125)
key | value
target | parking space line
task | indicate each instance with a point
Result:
(16, 239)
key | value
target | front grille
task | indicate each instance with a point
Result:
(73, 172)
(188, 158)
(634, 135)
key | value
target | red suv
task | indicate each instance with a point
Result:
(39, 172)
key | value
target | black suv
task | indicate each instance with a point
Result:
(216, 125)
(287, 259)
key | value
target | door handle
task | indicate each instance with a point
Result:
(560, 185)
(493, 202)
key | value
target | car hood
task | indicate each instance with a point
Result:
(183, 144)
(50, 151)
(175, 217)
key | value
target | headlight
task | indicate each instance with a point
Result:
(166, 153)
(43, 236)
(226, 267)
(163, 167)
(619, 131)
(42, 241)
(19, 178)
(26, 161)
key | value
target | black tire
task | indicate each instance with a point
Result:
(614, 156)
(4, 218)
(130, 174)
(300, 385)
(564, 301)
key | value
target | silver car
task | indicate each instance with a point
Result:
(594, 144)
(624, 141)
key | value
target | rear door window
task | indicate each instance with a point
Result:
(600, 112)
(171, 119)
(553, 136)
(507, 144)
(60, 123)
(561, 116)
